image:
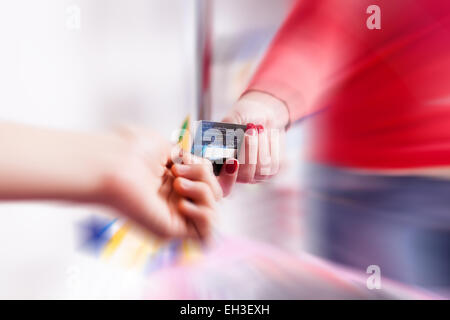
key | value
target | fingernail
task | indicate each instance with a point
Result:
(250, 126)
(231, 167)
(260, 128)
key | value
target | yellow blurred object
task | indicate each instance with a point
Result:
(184, 140)
(115, 241)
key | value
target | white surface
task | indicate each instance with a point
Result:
(130, 60)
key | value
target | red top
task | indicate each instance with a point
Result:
(384, 94)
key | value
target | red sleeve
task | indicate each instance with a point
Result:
(322, 41)
(308, 46)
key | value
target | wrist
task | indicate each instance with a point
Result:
(48, 164)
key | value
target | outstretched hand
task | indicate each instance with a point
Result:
(172, 198)
(266, 119)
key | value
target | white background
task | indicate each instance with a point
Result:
(130, 60)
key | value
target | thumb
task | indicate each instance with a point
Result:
(228, 175)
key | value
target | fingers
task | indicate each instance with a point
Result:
(197, 205)
(200, 172)
(196, 183)
(263, 166)
(248, 157)
(199, 192)
(136, 197)
(261, 154)
(228, 176)
(258, 159)
(200, 217)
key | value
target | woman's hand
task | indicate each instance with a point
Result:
(266, 119)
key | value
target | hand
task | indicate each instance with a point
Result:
(195, 181)
(171, 201)
(266, 118)
(129, 170)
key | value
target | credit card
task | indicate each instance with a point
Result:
(217, 141)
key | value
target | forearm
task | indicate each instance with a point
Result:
(40, 163)
(306, 54)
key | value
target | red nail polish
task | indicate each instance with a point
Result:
(260, 128)
(231, 167)
(250, 126)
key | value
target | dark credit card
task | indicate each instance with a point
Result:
(217, 141)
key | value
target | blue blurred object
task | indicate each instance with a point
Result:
(400, 223)
(94, 233)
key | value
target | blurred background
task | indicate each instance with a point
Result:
(88, 65)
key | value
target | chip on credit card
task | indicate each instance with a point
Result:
(217, 141)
